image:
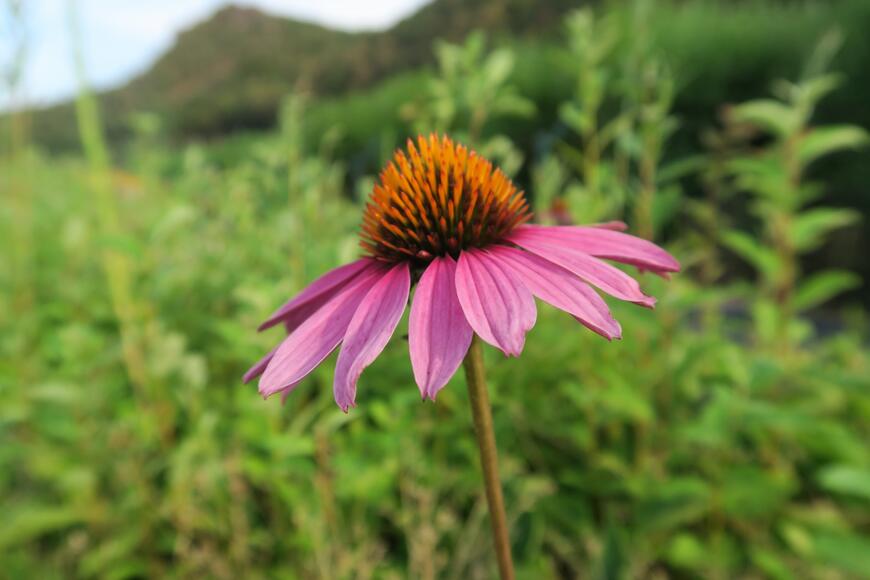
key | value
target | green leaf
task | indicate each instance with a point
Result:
(808, 229)
(815, 89)
(768, 114)
(574, 117)
(771, 564)
(498, 67)
(846, 480)
(614, 129)
(33, 521)
(819, 288)
(682, 168)
(509, 104)
(849, 552)
(826, 140)
(762, 258)
(613, 559)
(750, 492)
(115, 551)
(686, 551)
(673, 503)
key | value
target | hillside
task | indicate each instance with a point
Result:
(231, 71)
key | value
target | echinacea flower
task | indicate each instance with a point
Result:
(444, 216)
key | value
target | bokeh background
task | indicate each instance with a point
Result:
(149, 221)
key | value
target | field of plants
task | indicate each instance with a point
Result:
(725, 436)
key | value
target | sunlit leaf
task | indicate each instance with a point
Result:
(771, 115)
(846, 480)
(826, 140)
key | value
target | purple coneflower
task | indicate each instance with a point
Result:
(444, 217)
(444, 214)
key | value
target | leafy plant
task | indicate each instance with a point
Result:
(774, 175)
(471, 89)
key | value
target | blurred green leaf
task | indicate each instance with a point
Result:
(25, 523)
(826, 140)
(673, 503)
(762, 258)
(823, 286)
(846, 480)
(810, 227)
(116, 553)
(686, 551)
(612, 562)
(771, 115)
(771, 564)
(849, 552)
(749, 492)
(814, 89)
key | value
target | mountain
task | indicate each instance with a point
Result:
(231, 71)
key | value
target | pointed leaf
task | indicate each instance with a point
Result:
(825, 140)
(768, 114)
(821, 287)
(763, 259)
(846, 480)
(808, 229)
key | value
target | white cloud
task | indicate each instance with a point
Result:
(346, 14)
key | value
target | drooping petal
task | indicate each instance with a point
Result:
(438, 333)
(598, 273)
(560, 288)
(257, 369)
(603, 242)
(369, 331)
(498, 306)
(315, 295)
(318, 336)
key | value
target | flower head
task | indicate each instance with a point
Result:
(438, 200)
(445, 214)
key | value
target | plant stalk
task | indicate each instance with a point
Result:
(480, 410)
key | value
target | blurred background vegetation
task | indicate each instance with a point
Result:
(146, 231)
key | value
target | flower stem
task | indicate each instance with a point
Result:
(480, 410)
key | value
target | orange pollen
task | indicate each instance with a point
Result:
(440, 198)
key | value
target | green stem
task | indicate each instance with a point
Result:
(480, 410)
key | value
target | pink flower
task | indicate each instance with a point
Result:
(443, 213)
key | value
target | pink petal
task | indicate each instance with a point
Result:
(315, 295)
(258, 368)
(318, 336)
(603, 243)
(438, 334)
(496, 304)
(370, 330)
(559, 287)
(609, 278)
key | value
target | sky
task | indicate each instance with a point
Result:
(121, 38)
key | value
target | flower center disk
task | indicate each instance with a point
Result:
(440, 198)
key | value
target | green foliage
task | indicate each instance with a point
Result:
(672, 450)
(774, 175)
(620, 119)
(470, 91)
